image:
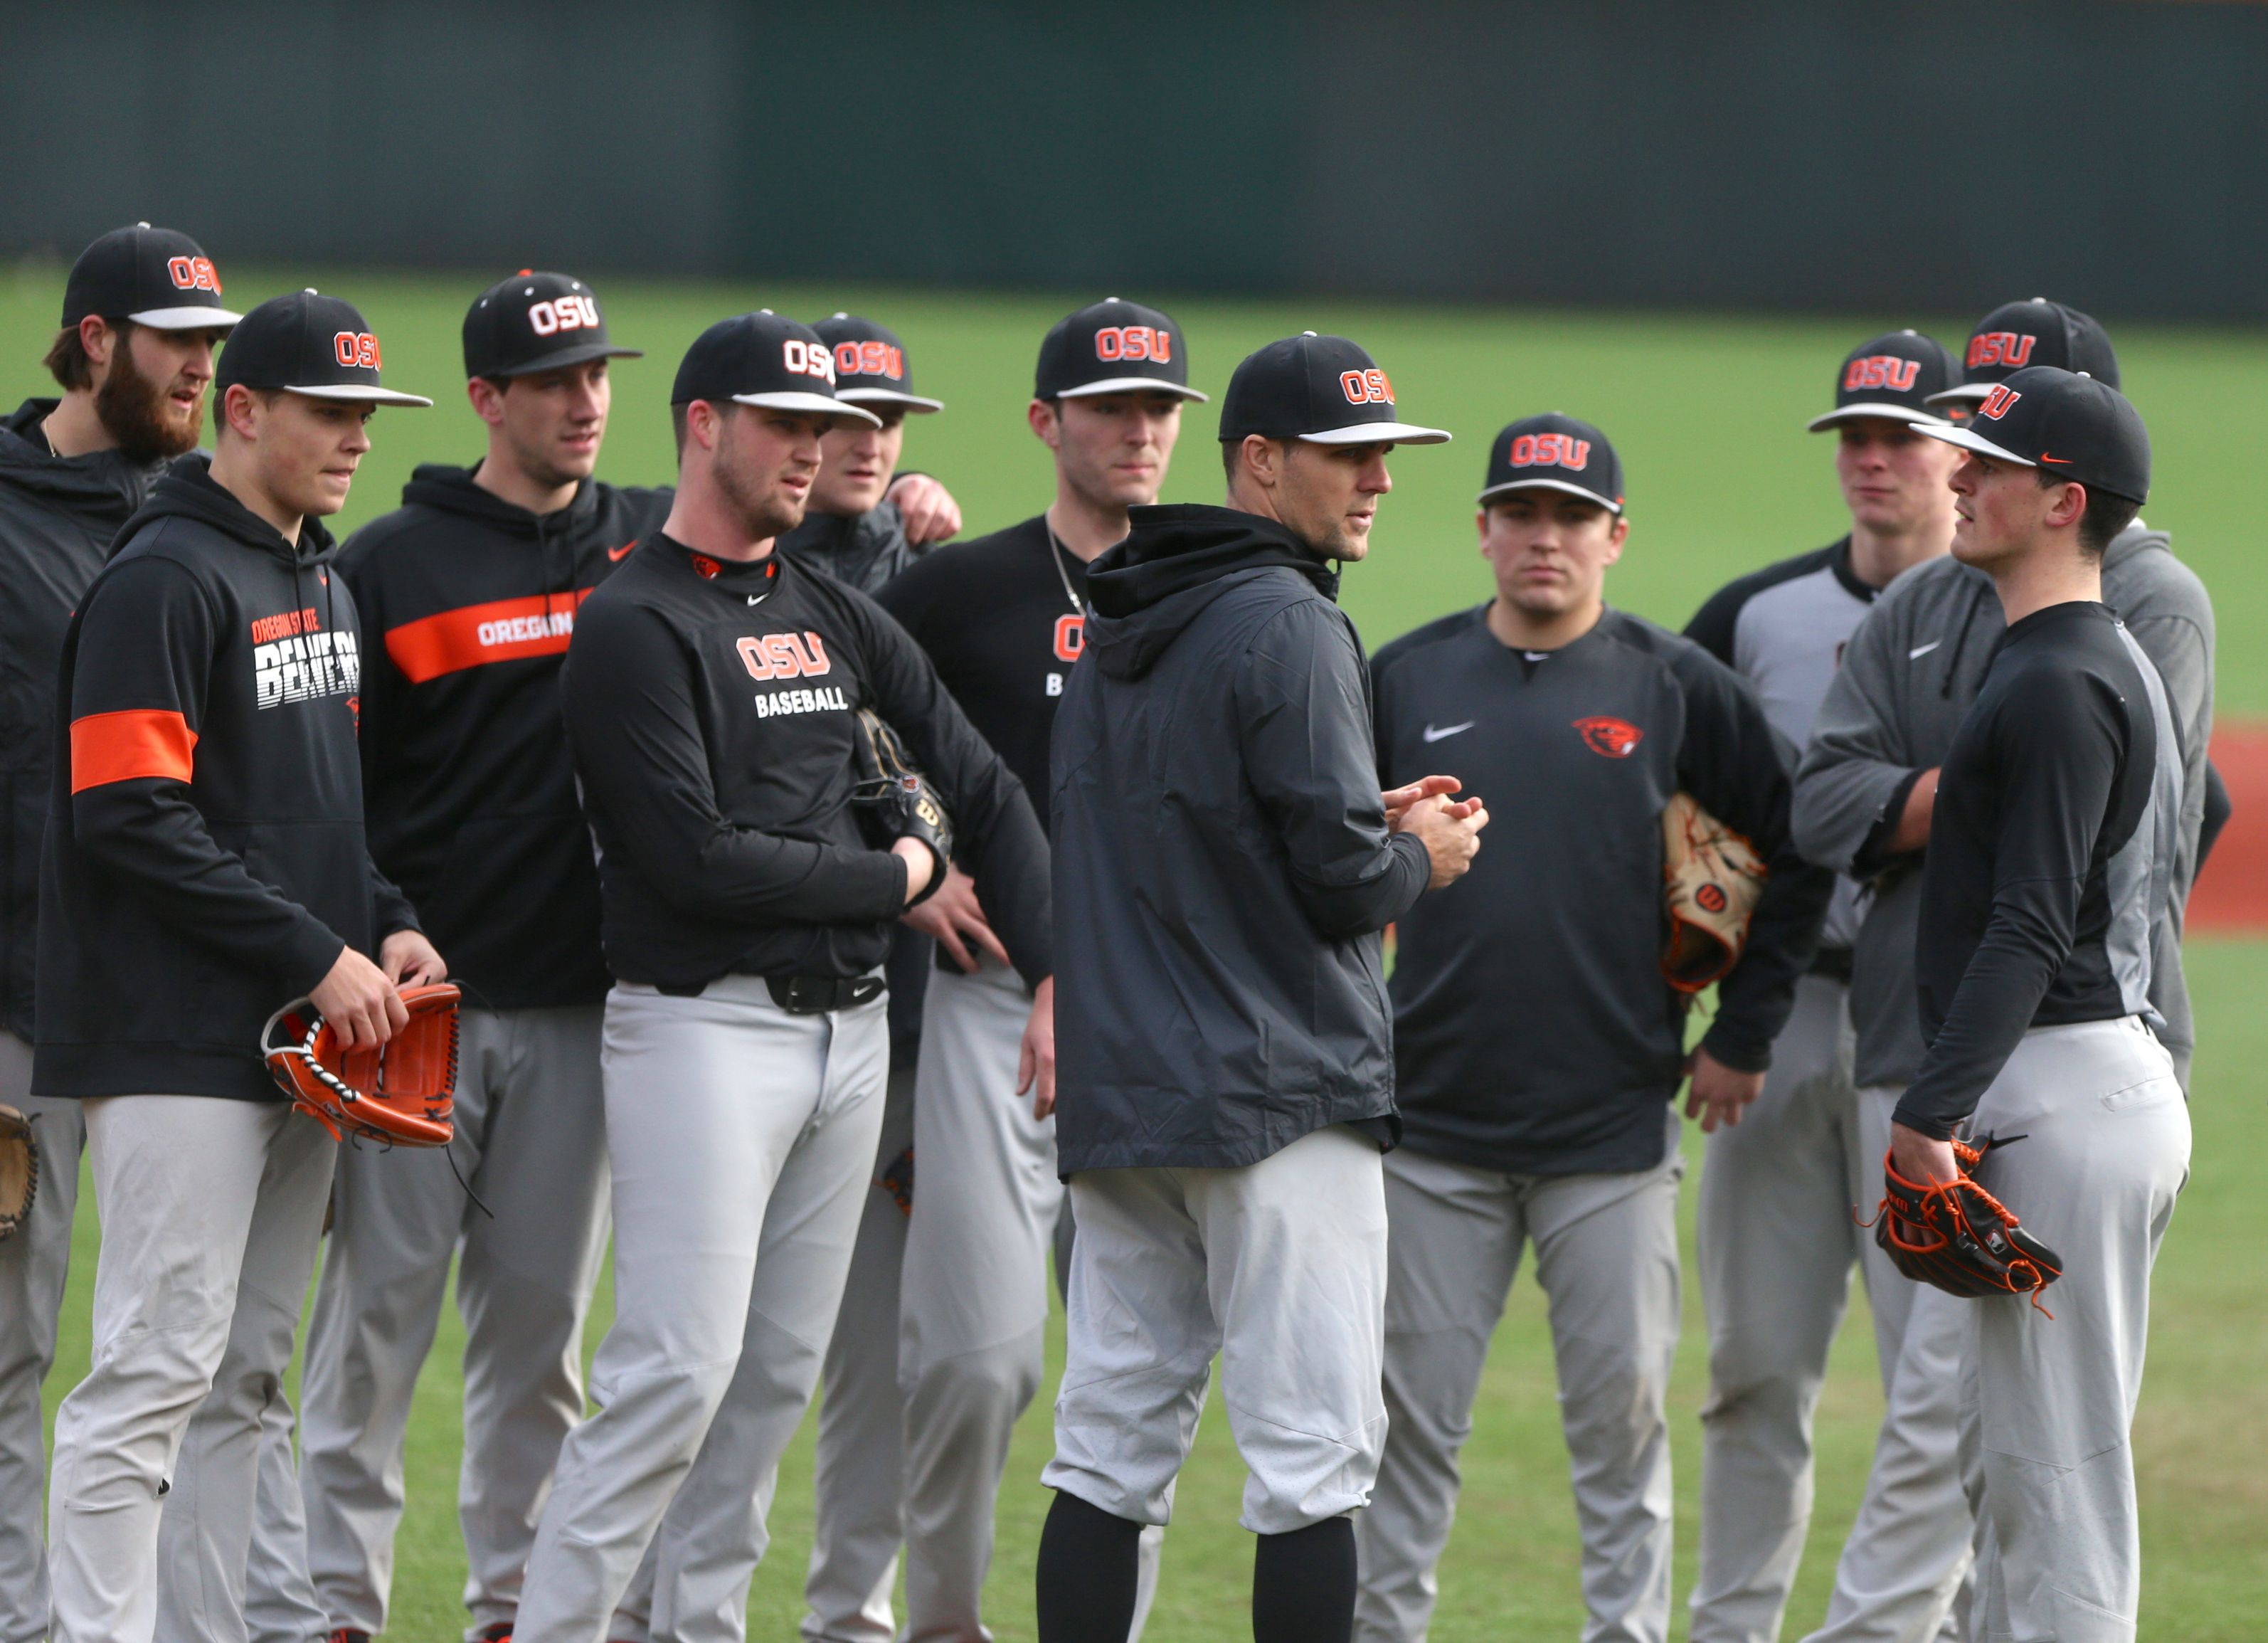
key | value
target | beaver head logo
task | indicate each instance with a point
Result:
(1610, 738)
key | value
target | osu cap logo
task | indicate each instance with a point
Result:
(808, 359)
(570, 312)
(1887, 371)
(358, 349)
(1610, 738)
(193, 274)
(1134, 342)
(1997, 402)
(1551, 450)
(1366, 387)
(869, 359)
(2011, 349)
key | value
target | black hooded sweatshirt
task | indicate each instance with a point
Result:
(469, 603)
(205, 859)
(58, 518)
(1223, 869)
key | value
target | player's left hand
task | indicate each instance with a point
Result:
(930, 513)
(1035, 1065)
(1718, 1094)
(1398, 799)
(955, 913)
(409, 960)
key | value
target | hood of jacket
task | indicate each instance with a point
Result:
(2135, 539)
(98, 485)
(861, 551)
(1145, 591)
(189, 491)
(454, 489)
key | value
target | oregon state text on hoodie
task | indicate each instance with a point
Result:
(58, 518)
(711, 705)
(205, 859)
(469, 601)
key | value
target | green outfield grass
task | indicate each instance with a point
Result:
(1708, 414)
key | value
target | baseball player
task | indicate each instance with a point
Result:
(927, 1376)
(1225, 866)
(712, 694)
(1864, 797)
(141, 314)
(1778, 1241)
(867, 521)
(2053, 841)
(1591, 722)
(204, 865)
(468, 594)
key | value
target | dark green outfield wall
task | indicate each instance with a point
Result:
(1924, 154)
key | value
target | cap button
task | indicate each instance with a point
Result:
(1306, 333)
(524, 273)
(141, 224)
(309, 290)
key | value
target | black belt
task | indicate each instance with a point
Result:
(1834, 963)
(816, 995)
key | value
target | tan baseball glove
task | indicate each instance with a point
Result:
(1711, 878)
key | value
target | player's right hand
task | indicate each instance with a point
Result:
(1449, 830)
(359, 1003)
(953, 913)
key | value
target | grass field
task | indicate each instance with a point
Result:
(1708, 414)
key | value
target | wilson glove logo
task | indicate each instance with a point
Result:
(563, 314)
(2011, 349)
(1881, 370)
(1551, 450)
(1366, 387)
(1997, 402)
(1610, 737)
(1134, 342)
(869, 359)
(783, 656)
(193, 274)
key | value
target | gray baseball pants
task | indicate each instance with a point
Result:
(211, 1211)
(530, 1141)
(1606, 1255)
(740, 1138)
(1278, 1267)
(1781, 1199)
(2048, 1404)
(34, 1266)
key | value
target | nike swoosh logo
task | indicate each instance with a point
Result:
(1920, 651)
(2061, 462)
(619, 554)
(1432, 734)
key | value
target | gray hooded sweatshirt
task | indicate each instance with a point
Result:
(1908, 674)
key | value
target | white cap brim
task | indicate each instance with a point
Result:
(1132, 384)
(193, 319)
(1379, 433)
(1495, 491)
(1969, 439)
(889, 396)
(817, 404)
(1967, 393)
(354, 394)
(1879, 413)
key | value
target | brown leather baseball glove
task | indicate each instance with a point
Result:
(19, 1171)
(1710, 879)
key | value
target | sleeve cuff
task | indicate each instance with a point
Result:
(1874, 853)
(1935, 1129)
(314, 949)
(1736, 1052)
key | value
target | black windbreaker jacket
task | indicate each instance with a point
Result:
(58, 518)
(1223, 867)
(468, 602)
(205, 858)
(710, 706)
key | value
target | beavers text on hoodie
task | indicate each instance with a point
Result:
(205, 861)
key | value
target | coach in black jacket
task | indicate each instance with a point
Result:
(1225, 866)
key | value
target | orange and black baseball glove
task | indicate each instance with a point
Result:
(401, 1094)
(1957, 1236)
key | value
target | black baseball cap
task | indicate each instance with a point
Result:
(1323, 389)
(2073, 426)
(2035, 332)
(869, 364)
(153, 276)
(307, 343)
(1555, 453)
(763, 359)
(1892, 376)
(1113, 347)
(534, 322)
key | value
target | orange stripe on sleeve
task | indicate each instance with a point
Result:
(122, 747)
